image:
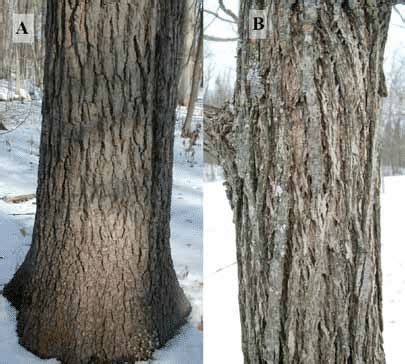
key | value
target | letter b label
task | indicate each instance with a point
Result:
(257, 24)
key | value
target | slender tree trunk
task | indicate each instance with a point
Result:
(98, 284)
(38, 48)
(187, 52)
(18, 72)
(299, 148)
(23, 53)
(4, 38)
(196, 85)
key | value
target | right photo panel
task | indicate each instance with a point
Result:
(304, 182)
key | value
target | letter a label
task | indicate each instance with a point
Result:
(23, 28)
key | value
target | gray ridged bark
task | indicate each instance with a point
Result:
(98, 284)
(300, 152)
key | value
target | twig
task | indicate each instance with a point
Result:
(226, 267)
(18, 199)
(218, 39)
(227, 11)
(27, 213)
(21, 123)
(399, 13)
(219, 17)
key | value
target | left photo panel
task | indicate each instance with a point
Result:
(101, 173)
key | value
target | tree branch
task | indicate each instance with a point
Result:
(227, 11)
(219, 133)
(220, 143)
(218, 39)
(399, 13)
(219, 17)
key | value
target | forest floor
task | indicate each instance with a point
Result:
(19, 152)
(221, 310)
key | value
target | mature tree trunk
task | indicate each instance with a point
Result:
(98, 284)
(300, 151)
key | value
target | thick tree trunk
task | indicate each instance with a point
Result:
(98, 284)
(301, 157)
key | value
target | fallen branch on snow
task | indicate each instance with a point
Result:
(18, 199)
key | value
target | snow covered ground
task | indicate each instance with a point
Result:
(28, 91)
(222, 344)
(18, 175)
(222, 332)
(393, 265)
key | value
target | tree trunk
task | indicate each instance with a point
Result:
(301, 159)
(4, 35)
(38, 49)
(188, 46)
(187, 130)
(98, 283)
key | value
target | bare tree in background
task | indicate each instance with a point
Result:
(25, 61)
(191, 63)
(187, 55)
(3, 38)
(221, 91)
(393, 119)
(215, 95)
(224, 14)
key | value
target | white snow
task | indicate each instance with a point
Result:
(27, 91)
(18, 175)
(11, 351)
(393, 265)
(222, 339)
(395, 46)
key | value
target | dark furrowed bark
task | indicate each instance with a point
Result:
(302, 166)
(98, 284)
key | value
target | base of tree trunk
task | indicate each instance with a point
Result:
(47, 340)
(13, 290)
